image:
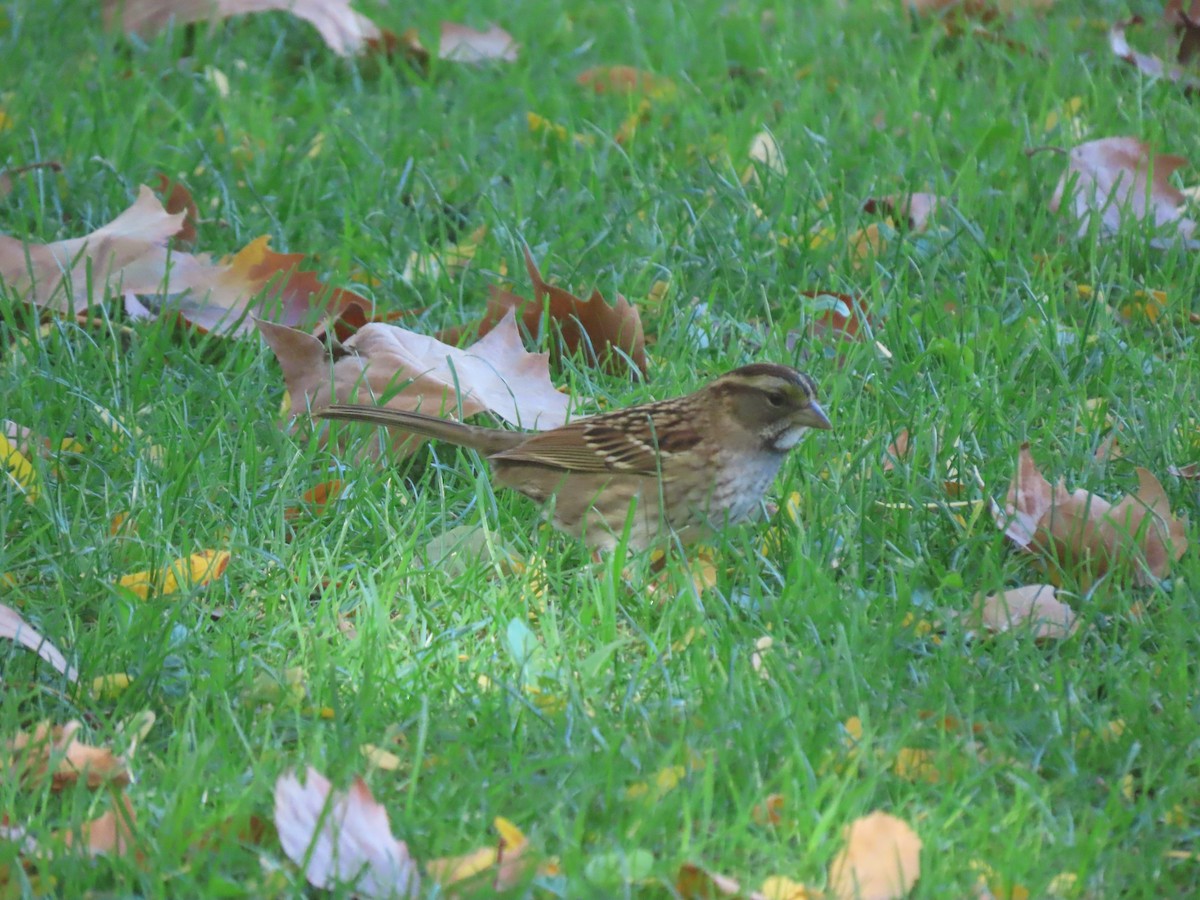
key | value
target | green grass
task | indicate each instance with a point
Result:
(637, 682)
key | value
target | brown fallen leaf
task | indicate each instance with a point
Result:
(53, 749)
(179, 200)
(1146, 63)
(256, 282)
(1034, 608)
(15, 628)
(460, 43)
(315, 499)
(342, 838)
(1186, 25)
(1085, 534)
(697, 883)
(916, 209)
(609, 336)
(416, 372)
(1113, 178)
(881, 859)
(345, 31)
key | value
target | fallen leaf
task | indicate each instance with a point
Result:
(1113, 177)
(697, 883)
(1033, 608)
(18, 469)
(108, 834)
(342, 838)
(460, 43)
(1186, 25)
(345, 31)
(764, 149)
(843, 316)
(1190, 472)
(1085, 534)
(609, 336)
(778, 887)
(28, 443)
(315, 499)
(1146, 63)
(504, 863)
(256, 282)
(130, 251)
(179, 200)
(196, 570)
(495, 374)
(881, 859)
(15, 628)
(53, 749)
(916, 209)
(626, 80)
(769, 812)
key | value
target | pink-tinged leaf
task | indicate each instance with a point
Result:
(462, 44)
(15, 628)
(345, 31)
(342, 838)
(1117, 179)
(1145, 63)
(417, 372)
(1190, 472)
(1030, 497)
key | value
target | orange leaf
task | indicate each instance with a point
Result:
(625, 80)
(315, 499)
(881, 859)
(54, 750)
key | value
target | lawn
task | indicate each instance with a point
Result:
(736, 711)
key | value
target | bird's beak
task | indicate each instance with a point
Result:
(814, 417)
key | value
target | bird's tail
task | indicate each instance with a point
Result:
(485, 440)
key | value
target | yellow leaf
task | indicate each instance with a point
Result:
(777, 887)
(196, 570)
(19, 469)
(380, 758)
(854, 728)
(916, 765)
(881, 859)
(510, 834)
(109, 687)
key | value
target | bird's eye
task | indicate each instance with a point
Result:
(775, 398)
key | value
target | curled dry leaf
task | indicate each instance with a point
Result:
(462, 44)
(53, 750)
(1087, 535)
(15, 628)
(179, 200)
(915, 209)
(845, 317)
(1035, 607)
(1112, 178)
(1145, 63)
(342, 838)
(881, 859)
(1186, 25)
(495, 374)
(609, 336)
(110, 834)
(1190, 472)
(345, 31)
(499, 867)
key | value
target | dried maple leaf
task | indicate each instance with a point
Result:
(1146, 63)
(345, 31)
(1190, 472)
(130, 251)
(881, 859)
(915, 209)
(1115, 177)
(1085, 534)
(179, 200)
(610, 336)
(15, 628)
(495, 374)
(460, 43)
(257, 282)
(54, 750)
(342, 838)
(1035, 607)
